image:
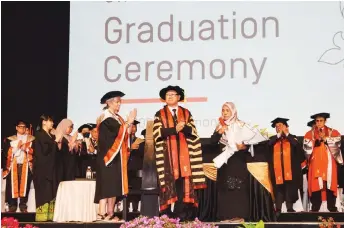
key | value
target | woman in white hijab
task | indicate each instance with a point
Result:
(234, 137)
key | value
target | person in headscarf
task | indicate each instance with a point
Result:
(234, 137)
(68, 150)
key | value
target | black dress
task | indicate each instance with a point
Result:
(233, 185)
(135, 180)
(108, 179)
(69, 161)
(44, 168)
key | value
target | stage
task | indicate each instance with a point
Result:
(301, 220)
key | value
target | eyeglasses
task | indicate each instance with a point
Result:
(171, 94)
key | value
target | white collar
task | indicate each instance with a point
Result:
(171, 109)
(108, 114)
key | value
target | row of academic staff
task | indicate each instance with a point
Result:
(53, 155)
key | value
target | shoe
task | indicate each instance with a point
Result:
(291, 210)
(23, 210)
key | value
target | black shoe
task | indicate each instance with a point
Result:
(291, 210)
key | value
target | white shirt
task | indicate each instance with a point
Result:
(171, 109)
(18, 153)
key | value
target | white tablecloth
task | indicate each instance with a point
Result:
(74, 201)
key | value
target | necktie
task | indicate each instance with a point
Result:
(175, 119)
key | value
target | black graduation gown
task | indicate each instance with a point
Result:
(233, 185)
(297, 157)
(69, 161)
(108, 178)
(44, 168)
(135, 164)
(87, 159)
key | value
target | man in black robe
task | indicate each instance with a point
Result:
(286, 159)
(89, 146)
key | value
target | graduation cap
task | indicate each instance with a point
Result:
(311, 123)
(136, 122)
(143, 132)
(279, 120)
(92, 125)
(110, 95)
(324, 115)
(22, 122)
(178, 90)
(89, 126)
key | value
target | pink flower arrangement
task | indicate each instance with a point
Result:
(327, 222)
(13, 223)
(164, 222)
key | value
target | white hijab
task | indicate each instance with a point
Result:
(233, 126)
(238, 132)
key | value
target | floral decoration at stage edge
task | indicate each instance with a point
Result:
(13, 223)
(165, 221)
(335, 55)
(327, 222)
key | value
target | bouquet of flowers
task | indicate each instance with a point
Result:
(164, 222)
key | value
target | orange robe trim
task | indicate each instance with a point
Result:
(13, 169)
(284, 174)
(184, 159)
(318, 163)
(120, 145)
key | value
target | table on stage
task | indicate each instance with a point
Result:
(74, 201)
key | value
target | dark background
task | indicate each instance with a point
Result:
(34, 62)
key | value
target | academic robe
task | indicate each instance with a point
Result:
(135, 164)
(112, 158)
(287, 159)
(178, 157)
(10, 172)
(87, 159)
(69, 161)
(44, 167)
(324, 156)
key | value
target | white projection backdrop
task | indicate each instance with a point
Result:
(269, 58)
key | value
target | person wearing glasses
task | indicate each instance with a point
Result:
(323, 145)
(287, 160)
(178, 155)
(112, 159)
(18, 154)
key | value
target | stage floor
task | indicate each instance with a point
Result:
(220, 225)
(302, 220)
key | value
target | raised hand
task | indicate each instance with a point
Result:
(132, 116)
